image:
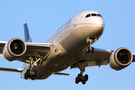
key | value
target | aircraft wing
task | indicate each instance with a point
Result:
(98, 58)
(33, 49)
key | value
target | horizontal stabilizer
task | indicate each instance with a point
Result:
(11, 69)
(61, 74)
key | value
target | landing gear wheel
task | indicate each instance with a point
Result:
(81, 78)
(27, 74)
(90, 49)
(34, 75)
(86, 77)
(76, 80)
(83, 81)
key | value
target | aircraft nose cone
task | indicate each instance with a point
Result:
(99, 21)
(98, 26)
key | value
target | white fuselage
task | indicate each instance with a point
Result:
(69, 41)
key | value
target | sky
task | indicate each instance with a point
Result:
(45, 17)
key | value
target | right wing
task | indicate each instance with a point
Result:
(31, 49)
(98, 58)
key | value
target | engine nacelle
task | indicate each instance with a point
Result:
(120, 58)
(14, 49)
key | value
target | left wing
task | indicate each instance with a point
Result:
(98, 58)
(102, 57)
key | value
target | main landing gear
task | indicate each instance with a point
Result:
(31, 75)
(32, 72)
(80, 77)
(82, 64)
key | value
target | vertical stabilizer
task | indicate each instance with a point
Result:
(27, 33)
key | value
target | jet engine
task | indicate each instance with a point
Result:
(14, 49)
(120, 58)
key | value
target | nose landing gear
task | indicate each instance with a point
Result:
(90, 41)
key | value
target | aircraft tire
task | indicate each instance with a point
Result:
(83, 81)
(86, 77)
(76, 80)
(34, 75)
(27, 74)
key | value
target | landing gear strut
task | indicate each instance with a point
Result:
(32, 72)
(80, 77)
(90, 49)
(82, 64)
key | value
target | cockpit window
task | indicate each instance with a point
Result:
(93, 14)
(88, 15)
(99, 15)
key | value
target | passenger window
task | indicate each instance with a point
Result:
(99, 15)
(88, 15)
(94, 14)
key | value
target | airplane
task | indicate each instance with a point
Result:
(70, 46)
